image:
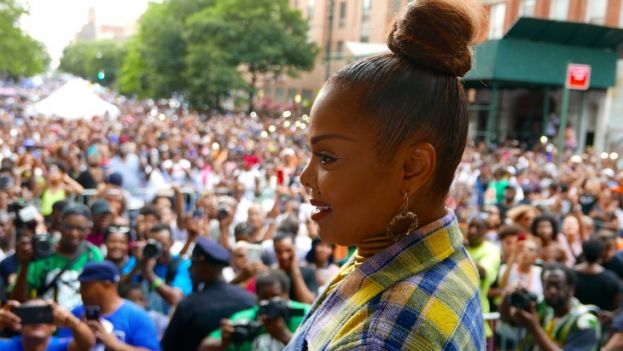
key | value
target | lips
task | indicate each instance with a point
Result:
(323, 209)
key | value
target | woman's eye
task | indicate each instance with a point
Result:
(325, 159)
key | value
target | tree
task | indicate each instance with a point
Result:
(95, 60)
(20, 54)
(256, 36)
(155, 63)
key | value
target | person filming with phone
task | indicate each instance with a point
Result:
(118, 324)
(37, 321)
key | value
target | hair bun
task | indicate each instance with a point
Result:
(438, 34)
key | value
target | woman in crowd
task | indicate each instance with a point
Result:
(320, 257)
(545, 229)
(386, 136)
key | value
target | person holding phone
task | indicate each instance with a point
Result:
(118, 324)
(37, 321)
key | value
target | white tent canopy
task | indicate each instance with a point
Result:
(75, 100)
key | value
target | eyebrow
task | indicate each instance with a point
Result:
(322, 137)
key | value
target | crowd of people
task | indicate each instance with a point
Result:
(166, 229)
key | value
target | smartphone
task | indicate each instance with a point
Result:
(92, 313)
(254, 253)
(280, 177)
(35, 314)
(28, 214)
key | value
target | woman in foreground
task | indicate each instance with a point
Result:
(387, 134)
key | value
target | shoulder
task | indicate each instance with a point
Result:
(431, 310)
(94, 251)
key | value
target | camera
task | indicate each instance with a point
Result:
(246, 331)
(43, 245)
(153, 249)
(278, 307)
(222, 212)
(522, 299)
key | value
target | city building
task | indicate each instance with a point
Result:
(527, 106)
(95, 30)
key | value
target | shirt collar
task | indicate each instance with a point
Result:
(422, 249)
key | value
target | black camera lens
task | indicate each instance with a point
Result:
(222, 213)
(152, 249)
(43, 245)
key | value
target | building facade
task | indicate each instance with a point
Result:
(595, 115)
(333, 26)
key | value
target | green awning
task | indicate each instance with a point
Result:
(535, 52)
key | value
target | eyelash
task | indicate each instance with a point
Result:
(324, 158)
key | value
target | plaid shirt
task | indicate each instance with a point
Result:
(419, 294)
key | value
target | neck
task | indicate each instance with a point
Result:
(524, 268)
(118, 261)
(560, 312)
(111, 303)
(372, 246)
(35, 344)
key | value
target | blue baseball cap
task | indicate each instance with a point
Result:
(210, 251)
(104, 271)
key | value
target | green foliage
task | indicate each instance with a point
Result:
(255, 36)
(20, 54)
(208, 49)
(95, 60)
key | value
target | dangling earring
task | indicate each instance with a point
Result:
(395, 234)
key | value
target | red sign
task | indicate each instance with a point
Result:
(578, 76)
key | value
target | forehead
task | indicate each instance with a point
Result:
(337, 110)
(555, 276)
(75, 218)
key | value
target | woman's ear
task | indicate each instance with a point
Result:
(418, 167)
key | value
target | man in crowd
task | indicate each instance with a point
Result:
(200, 313)
(117, 323)
(56, 277)
(304, 285)
(165, 277)
(559, 322)
(37, 337)
(273, 326)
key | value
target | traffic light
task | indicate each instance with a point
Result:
(101, 75)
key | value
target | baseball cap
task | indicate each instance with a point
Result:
(99, 207)
(104, 271)
(114, 179)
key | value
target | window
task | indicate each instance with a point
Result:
(596, 11)
(396, 6)
(310, 9)
(497, 13)
(342, 14)
(365, 21)
(526, 8)
(559, 10)
(339, 50)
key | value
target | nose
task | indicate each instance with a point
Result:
(308, 175)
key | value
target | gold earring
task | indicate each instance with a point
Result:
(393, 229)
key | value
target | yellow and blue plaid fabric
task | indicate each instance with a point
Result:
(419, 294)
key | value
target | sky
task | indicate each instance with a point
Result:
(56, 22)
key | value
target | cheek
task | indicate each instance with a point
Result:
(360, 202)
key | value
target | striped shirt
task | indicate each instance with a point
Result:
(419, 294)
